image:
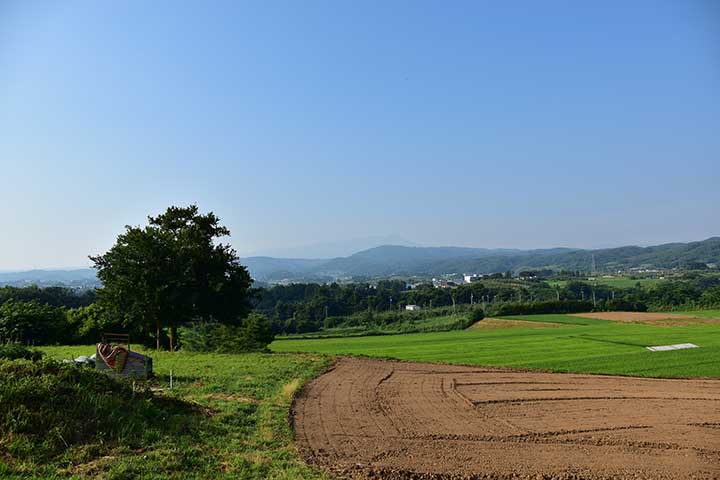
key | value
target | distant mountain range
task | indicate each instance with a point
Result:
(390, 260)
(340, 248)
(81, 278)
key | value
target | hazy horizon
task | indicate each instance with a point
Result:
(490, 125)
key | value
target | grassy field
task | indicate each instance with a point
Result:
(440, 323)
(242, 401)
(243, 432)
(575, 345)
(702, 313)
(617, 282)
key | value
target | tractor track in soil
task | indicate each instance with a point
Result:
(393, 420)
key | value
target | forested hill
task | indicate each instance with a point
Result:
(391, 260)
(398, 260)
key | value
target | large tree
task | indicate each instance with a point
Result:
(173, 271)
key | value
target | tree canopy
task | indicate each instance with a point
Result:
(171, 272)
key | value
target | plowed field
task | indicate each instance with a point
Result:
(394, 420)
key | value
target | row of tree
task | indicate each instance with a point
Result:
(303, 308)
(54, 296)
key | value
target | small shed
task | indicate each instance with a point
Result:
(412, 307)
(113, 355)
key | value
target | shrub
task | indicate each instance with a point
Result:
(88, 324)
(47, 407)
(623, 305)
(711, 297)
(477, 314)
(14, 351)
(32, 322)
(533, 308)
(254, 334)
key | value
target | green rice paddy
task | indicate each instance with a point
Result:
(578, 345)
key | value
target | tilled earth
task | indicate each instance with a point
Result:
(633, 316)
(394, 420)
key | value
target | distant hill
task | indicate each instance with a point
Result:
(388, 260)
(401, 260)
(263, 267)
(83, 277)
(341, 248)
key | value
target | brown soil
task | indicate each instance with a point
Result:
(633, 316)
(393, 420)
(500, 324)
(684, 323)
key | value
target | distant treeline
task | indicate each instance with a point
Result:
(52, 315)
(53, 296)
(57, 315)
(304, 308)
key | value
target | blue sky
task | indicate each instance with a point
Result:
(493, 124)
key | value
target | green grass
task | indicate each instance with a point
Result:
(702, 313)
(594, 347)
(441, 323)
(623, 282)
(241, 402)
(617, 282)
(243, 432)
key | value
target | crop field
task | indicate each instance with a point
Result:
(711, 314)
(616, 282)
(581, 345)
(236, 428)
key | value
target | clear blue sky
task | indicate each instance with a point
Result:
(496, 124)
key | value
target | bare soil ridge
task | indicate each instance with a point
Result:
(650, 318)
(632, 316)
(395, 420)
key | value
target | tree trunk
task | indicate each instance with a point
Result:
(173, 336)
(157, 334)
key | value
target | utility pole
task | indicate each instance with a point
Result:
(594, 301)
(471, 298)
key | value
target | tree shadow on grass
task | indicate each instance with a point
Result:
(603, 340)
